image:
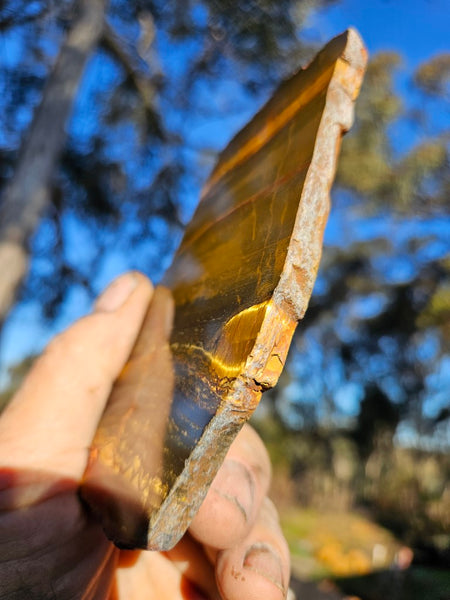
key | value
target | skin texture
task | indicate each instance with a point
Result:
(50, 546)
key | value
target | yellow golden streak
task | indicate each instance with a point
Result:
(271, 128)
(228, 361)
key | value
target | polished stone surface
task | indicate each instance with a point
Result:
(240, 281)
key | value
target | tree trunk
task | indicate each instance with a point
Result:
(27, 195)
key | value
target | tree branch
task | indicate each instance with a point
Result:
(27, 194)
(145, 88)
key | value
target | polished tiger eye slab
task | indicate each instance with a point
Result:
(240, 281)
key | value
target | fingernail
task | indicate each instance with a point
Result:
(235, 483)
(116, 294)
(264, 560)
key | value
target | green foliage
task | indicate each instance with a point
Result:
(433, 76)
(425, 166)
(364, 165)
(414, 584)
(400, 345)
(406, 489)
(437, 311)
(414, 181)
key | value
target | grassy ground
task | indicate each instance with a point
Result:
(347, 555)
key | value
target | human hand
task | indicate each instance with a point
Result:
(51, 547)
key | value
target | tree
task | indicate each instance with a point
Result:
(28, 192)
(136, 99)
(378, 324)
(135, 156)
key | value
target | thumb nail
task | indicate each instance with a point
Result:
(116, 294)
(264, 560)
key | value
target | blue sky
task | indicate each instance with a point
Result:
(418, 29)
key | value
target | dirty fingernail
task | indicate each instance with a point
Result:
(116, 294)
(235, 483)
(264, 560)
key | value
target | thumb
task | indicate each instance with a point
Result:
(52, 419)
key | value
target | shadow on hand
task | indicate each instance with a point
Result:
(51, 546)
